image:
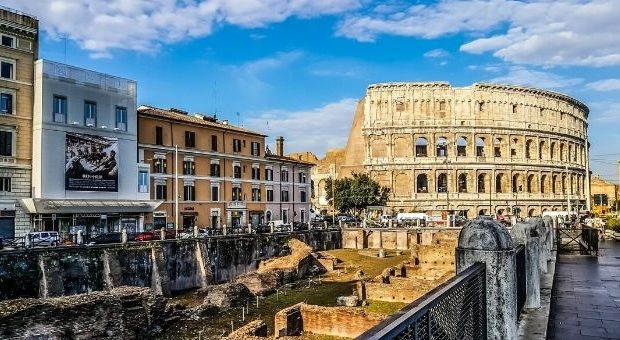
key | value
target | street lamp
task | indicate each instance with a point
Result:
(443, 146)
(176, 191)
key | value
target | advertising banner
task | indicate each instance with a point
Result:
(91, 163)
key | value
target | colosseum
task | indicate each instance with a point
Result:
(480, 149)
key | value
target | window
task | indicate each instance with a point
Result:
(5, 184)
(143, 181)
(255, 195)
(159, 135)
(442, 183)
(269, 195)
(255, 172)
(8, 41)
(302, 196)
(190, 139)
(161, 191)
(6, 103)
(236, 145)
(121, 118)
(215, 170)
(189, 192)
(284, 175)
(481, 183)
(213, 143)
(302, 177)
(236, 171)
(462, 183)
(189, 167)
(6, 143)
(90, 113)
(215, 193)
(236, 193)
(7, 69)
(60, 109)
(255, 148)
(159, 165)
(269, 174)
(284, 195)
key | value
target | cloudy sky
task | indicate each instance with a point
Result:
(297, 67)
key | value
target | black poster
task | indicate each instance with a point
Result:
(91, 163)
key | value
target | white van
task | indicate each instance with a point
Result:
(42, 238)
(407, 217)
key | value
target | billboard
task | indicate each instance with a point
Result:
(91, 163)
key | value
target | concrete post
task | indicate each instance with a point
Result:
(527, 235)
(225, 230)
(195, 231)
(80, 237)
(390, 223)
(325, 224)
(124, 235)
(486, 240)
(162, 234)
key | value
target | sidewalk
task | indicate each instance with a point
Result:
(585, 300)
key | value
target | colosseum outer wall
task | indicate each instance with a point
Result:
(484, 148)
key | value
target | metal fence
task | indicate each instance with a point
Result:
(454, 310)
(521, 273)
(584, 239)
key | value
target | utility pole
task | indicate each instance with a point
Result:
(176, 191)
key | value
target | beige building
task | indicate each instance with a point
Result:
(604, 195)
(19, 34)
(480, 149)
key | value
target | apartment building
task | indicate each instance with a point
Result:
(85, 170)
(19, 36)
(210, 173)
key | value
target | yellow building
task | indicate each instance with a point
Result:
(604, 195)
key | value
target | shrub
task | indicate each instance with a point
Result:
(613, 224)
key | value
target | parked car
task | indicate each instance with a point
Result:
(108, 238)
(155, 235)
(42, 238)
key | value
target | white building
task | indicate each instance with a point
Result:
(85, 170)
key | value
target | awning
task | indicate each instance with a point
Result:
(72, 206)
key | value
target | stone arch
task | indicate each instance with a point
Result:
(481, 183)
(402, 147)
(442, 147)
(529, 149)
(461, 147)
(544, 184)
(555, 184)
(541, 150)
(442, 182)
(499, 183)
(402, 183)
(531, 212)
(552, 151)
(516, 147)
(422, 183)
(517, 184)
(480, 145)
(570, 152)
(562, 149)
(532, 184)
(421, 147)
(378, 148)
(462, 182)
(497, 147)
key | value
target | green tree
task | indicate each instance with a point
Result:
(354, 194)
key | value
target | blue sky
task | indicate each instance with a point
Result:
(297, 67)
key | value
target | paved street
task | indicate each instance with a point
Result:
(585, 302)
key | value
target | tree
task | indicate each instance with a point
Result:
(354, 194)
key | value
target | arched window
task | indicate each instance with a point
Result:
(481, 183)
(562, 152)
(480, 147)
(543, 184)
(554, 184)
(442, 183)
(461, 147)
(552, 151)
(498, 183)
(541, 147)
(516, 187)
(421, 147)
(442, 147)
(497, 147)
(530, 183)
(422, 183)
(528, 149)
(462, 182)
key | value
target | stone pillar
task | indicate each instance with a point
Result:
(527, 235)
(487, 241)
(51, 283)
(80, 237)
(390, 223)
(160, 281)
(112, 273)
(359, 239)
(402, 240)
(162, 234)
(225, 229)
(195, 231)
(124, 235)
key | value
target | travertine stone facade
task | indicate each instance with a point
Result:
(479, 149)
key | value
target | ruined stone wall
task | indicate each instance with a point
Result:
(344, 322)
(165, 266)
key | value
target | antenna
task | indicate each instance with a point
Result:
(215, 96)
(64, 37)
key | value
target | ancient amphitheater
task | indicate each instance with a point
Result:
(479, 149)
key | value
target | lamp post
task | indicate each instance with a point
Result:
(176, 191)
(443, 146)
(333, 197)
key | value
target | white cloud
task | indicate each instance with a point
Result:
(437, 53)
(605, 85)
(518, 75)
(249, 74)
(605, 112)
(100, 26)
(540, 32)
(315, 130)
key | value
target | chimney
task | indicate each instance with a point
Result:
(280, 146)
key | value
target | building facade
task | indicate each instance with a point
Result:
(481, 149)
(19, 45)
(213, 174)
(604, 196)
(85, 170)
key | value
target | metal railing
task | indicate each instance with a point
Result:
(521, 273)
(457, 309)
(582, 239)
